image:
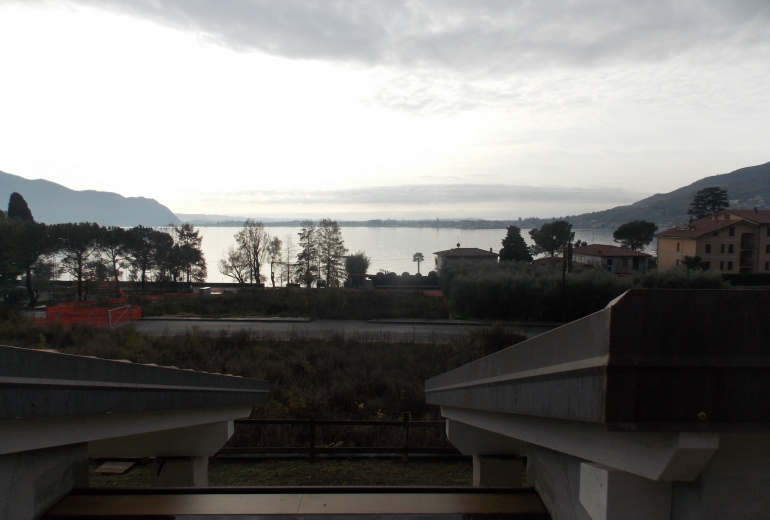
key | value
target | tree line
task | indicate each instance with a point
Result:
(320, 257)
(88, 252)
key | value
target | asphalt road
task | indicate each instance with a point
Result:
(287, 328)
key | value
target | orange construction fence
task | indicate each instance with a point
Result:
(90, 313)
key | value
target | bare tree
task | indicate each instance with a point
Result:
(274, 253)
(253, 241)
(234, 265)
(286, 267)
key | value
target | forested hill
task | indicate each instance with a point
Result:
(53, 203)
(746, 188)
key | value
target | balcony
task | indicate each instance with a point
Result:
(642, 410)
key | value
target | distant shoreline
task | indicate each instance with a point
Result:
(390, 223)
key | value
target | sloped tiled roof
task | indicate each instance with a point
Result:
(465, 252)
(605, 251)
(708, 225)
(757, 217)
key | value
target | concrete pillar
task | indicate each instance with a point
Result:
(32, 482)
(180, 472)
(497, 471)
(608, 494)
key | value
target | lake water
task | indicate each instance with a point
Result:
(390, 249)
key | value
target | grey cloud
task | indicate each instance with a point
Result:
(491, 37)
(422, 195)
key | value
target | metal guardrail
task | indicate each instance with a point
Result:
(406, 424)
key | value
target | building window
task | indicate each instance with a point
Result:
(730, 248)
(721, 265)
(767, 265)
(767, 247)
(767, 231)
(708, 248)
(677, 247)
(731, 232)
(729, 265)
(722, 248)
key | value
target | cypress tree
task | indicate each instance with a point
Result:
(18, 208)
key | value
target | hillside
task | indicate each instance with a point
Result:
(53, 203)
(746, 188)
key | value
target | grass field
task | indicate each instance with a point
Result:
(322, 472)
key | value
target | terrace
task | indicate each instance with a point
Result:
(651, 408)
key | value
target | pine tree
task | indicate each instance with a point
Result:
(332, 251)
(514, 248)
(306, 269)
(636, 234)
(552, 237)
(708, 201)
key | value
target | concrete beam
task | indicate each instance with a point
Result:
(652, 360)
(32, 434)
(192, 441)
(498, 472)
(34, 481)
(607, 494)
(654, 455)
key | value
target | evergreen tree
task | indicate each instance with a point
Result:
(514, 248)
(356, 266)
(552, 237)
(306, 269)
(192, 262)
(331, 252)
(708, 201)
(636, 234)
(18, 209)
(144, 246)
(23, 243)
(77, 246)
(113, 247)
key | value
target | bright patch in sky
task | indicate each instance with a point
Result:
(382, 110)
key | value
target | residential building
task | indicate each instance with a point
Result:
(615, 259)
(468, 254)
(734, 241)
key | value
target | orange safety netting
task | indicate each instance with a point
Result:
(88, 312)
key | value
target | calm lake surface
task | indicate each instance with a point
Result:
(390, 249)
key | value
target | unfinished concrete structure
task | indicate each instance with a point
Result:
(654, 408)
(57, 410)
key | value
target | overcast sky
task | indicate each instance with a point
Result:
(383, 108)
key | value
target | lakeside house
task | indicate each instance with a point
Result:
(735, 241)
(468, 254)
(615, 259)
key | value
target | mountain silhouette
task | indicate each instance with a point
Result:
(53, 203)
(747, 188)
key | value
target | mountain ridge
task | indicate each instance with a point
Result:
(746, 187)
(52, 203)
